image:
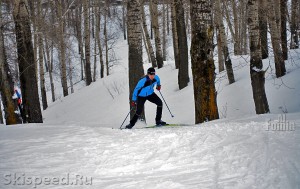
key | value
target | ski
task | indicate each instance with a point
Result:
(159, 126)
(168, 125)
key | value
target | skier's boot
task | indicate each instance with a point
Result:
(160, 123)
(129, 126)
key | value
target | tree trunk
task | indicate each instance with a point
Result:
(187, 17)
(148, 41)
(263, 27)
(175, 35)
(237, 41)
(277, 15)
(70, 72)
(294, 28)
(29, 88)
(283, 15)
(98, 17)
(168, 18)
(227, 16)
(95, 51)
(183, 72)
(50, 66)
(6, 91)
(256, 72)
(123, 18)
(62, 50)
(146, 46)
(223, 41)
(135, 61)
(203, 67)
(275, 38)
(41, 63)
(1, 115)
(35, 37)
(220, 51)
(244, 27)
(106, 40)
(164, 45)
(88, 73)
(154, 12)
(79, 38)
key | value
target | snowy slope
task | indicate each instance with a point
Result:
(94, 104)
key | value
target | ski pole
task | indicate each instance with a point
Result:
(166, 104)
(126, 117)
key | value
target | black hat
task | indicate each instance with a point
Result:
(151, 71)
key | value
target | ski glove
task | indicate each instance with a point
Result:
(133, 103)
(158, 87)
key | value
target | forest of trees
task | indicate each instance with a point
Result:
(36, 39)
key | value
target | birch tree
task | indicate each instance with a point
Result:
(154, 12)
(263, 27)
(134, 35)
(275, 38)
(147, 37)
(256, 72)
(88, 73)
(223, 41)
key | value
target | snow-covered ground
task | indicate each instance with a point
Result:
(240, 150)
(244, 153)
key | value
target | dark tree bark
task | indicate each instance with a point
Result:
(283, 15)
(174, 35)
(203, 67)
(1, 116)
(62, 47)
(294, 28)
(220, 52)
(29, 88)
(263, 28)
(123, 19)
(98, 18)
(183, 72)
(256, 72)
(88, 73)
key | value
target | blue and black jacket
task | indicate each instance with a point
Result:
(145, 86)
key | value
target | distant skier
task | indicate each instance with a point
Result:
(144, 91)
(18, 97)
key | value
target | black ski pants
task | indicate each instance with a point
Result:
(140, 105)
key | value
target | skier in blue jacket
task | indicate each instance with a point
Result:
(144, 91)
